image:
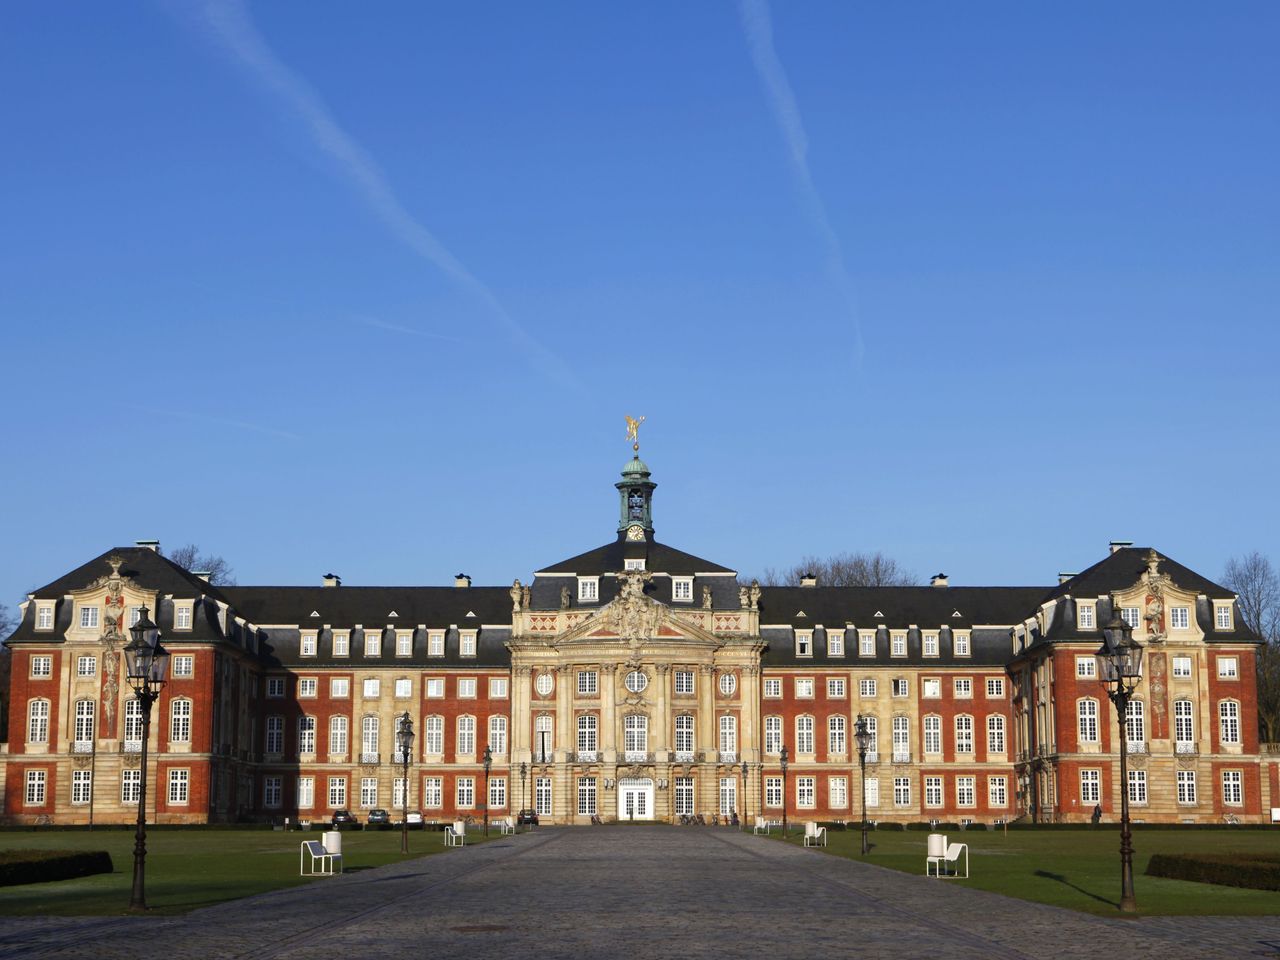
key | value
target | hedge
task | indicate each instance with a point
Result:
(1252, 870)
(38, 866)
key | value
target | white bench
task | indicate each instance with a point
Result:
(323, 863)
(506, 825)
(455, 834)
(762, 825)
(941, 854)
(814, 835)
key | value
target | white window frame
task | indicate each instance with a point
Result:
(995, 688)
(932, 735)
(36, 793)
(1222, 616)
(1090, 786)
(1182, 667)
(432, 793)
(963, 688)
(902, 791)
(180, 717)
(1186, 788)
(372, 642)
(38, 711)
(1179, 618)
(588, 683)
(404, 643)
(44, 616)
(1229, 723)
(897, 645)
(772, 688)
(806, 792)
(1233, 788)
(964, 733)
(804, 688)
(87, 666)
(341, 643)
(960, 644)
(804, 643)
(465, 736)
(183, 615)
(179, 793)
(588, 589)
(183, 665)
(1086, 668)
(835, 643)
(1228, 668)
(307, 687)
(434, 688)
(403, 688)
(435, 643)
(867, 644)
(998, 792)
(1138, 793)
(466, 688)
(371, 688)
(41, 667)
(837, 793)
(433, 736)
(467, 643)
(930, 688)
(90, 617)
(306, 792)
(728, 684)
(1087, 726)
(966, 791)
(1086, 615)
(339, 688)
(836, 688)
(929, 646)
(682, 589)
(498, 688)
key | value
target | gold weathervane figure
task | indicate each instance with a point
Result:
(633, 432)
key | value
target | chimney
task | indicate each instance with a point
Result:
(1118, 545)
(461, 580)
(332, 580)
(939, 580)
(1064, 577)
(153, 545)
(202, 574)
(808, 580)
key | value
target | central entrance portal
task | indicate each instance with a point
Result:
(635, 799)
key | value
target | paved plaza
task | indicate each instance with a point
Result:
(643, 891)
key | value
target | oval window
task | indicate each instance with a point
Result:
(636, 681)
(544, 684)
(728, 684)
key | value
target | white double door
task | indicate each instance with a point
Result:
(635, 799)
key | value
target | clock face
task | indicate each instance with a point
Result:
(635, 533)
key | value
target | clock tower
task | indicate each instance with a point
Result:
(635, 491)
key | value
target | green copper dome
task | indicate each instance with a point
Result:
(635, 467)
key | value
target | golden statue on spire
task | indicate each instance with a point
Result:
(633, 432)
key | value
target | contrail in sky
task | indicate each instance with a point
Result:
(233, 27)
(758, 27)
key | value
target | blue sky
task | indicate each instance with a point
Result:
(369, 288)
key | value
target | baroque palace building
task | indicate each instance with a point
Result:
(635, 681)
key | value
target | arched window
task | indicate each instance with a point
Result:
(995, 734)
(306, 735)
(635, 733)
(544, 735)
(836, 735)
(180, 721)
(932, 734)
(804, 734)
(1184, 727)
(1087, 717)
(86, 710)
(498, 734)
(369, 739)
(38, 721)
(773, 736)
(588, 733)
(133, 725)
(729, 734)
(684, 733)
(964, 734)
(338, 735)
(433, 737)
(1229, 721)
(1135, 726)
(466, 735)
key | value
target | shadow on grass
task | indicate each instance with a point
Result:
(1067, 883)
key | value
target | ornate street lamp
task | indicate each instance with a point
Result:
(524, 783)
(146, 663)
(404, 740)
(746, 778)
(783, 759)
(1120, 668)
(488, 762)
(862, 734)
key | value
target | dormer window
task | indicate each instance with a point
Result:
(929, 645)
(44, 616)
(588, 589)
(1085, 615)
(435, 644)
(308, 647)
(1222, 616)
(373, 643)
(633, 563)
(898, 645)
(804, 643)
(866, 644)
(960, 643)
(682, 589)
(182, 616)
(404, 643)
(835, 643)
(467, 644)
(341, 643)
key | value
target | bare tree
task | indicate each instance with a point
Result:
(1257, 587)
(8, 623)
(190, 558)
(843, 570)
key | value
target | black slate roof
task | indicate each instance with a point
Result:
(1122, 569)
(344, 607)
(898, 607)
(658, 557)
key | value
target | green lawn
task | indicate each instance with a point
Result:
(1078, 869)
(187, 869)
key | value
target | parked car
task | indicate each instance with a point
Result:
(345, 818)
(527, 818)
(379, 817)
(414, 819)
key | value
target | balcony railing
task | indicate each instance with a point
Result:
(398, 757)
(82, 746)
(728, 756)
(131, 746)
(1136, 746)
(902, 756)
(685, 756)
(368, 758)
(587, 756)
(637, 756)
(1186, 747)
(873, 756)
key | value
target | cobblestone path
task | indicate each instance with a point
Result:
(644, 892)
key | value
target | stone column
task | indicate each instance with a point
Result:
(521, 713)
(662, 720)
(564, 787)
(708, 785)
(608, 713)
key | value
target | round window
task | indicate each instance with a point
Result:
(636, 681)
(728, 684)
(544, 684)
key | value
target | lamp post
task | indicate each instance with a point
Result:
(488, 762)
(146, 662)
(1120, 668)
(863, 736)
(746, 778)
(783, 759)
(524, 783)
(404, 740)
